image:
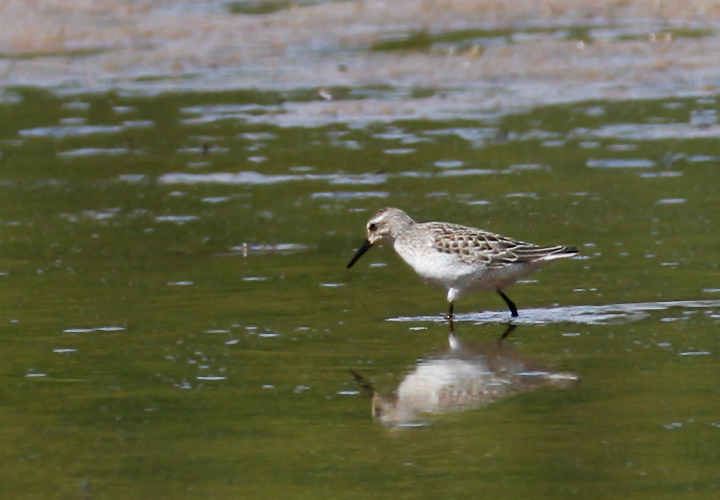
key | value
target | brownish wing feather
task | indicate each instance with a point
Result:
(473, 245)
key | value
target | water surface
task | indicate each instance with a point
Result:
(178, 320)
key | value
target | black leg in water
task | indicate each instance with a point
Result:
(449, 318)
(510, 328)
(510, 303)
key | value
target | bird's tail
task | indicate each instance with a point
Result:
(546, 253)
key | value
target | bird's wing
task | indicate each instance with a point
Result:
(472, 245)
(527, 252)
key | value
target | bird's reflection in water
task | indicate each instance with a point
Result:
(467, 375)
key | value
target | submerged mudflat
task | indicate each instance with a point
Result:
(453, 58)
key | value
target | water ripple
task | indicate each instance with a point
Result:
(255, 178)
(621, 163)
(95, 151)
(250, 177)
(651, 132)
(589, 315)
(70, 131)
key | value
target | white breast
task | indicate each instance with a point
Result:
(448, 271)
(435, 267)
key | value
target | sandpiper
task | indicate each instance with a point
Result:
(459, 258)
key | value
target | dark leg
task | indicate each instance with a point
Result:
(506, 333)
(510, 303)
(449, 318)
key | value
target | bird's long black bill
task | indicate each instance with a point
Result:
(364, 248)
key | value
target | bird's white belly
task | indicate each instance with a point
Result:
(448, 271)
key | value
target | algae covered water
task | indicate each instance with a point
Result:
(178, 320)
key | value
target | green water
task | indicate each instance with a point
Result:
(171, 332)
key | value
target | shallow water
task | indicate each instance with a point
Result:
(178, 320)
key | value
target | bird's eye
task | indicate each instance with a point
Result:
(372, 227)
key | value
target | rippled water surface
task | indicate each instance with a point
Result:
(178, 321)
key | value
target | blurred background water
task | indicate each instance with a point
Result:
(178, 321)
